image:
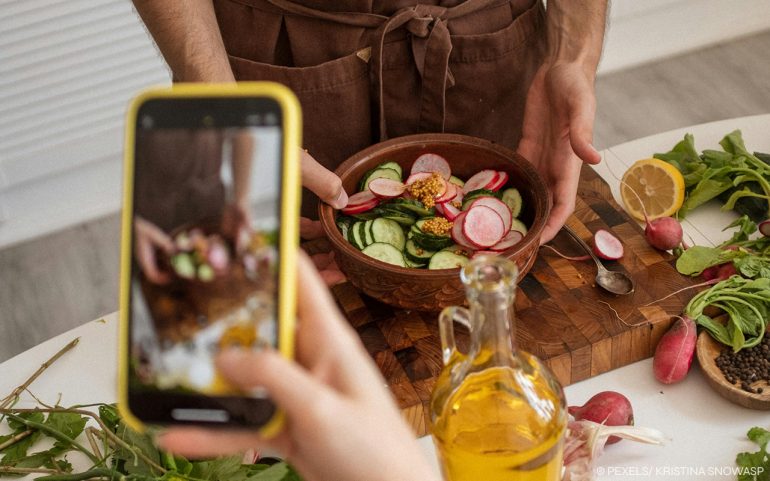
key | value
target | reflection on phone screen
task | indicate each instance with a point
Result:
(205, 263)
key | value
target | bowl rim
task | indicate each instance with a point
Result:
(326, 212)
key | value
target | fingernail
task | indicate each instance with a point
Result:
(341, 200)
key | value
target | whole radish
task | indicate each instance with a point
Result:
(674, 353)
(607, 407)
(664, 233)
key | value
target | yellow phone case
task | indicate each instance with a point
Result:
(289, 219)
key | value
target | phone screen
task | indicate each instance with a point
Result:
(204, 277)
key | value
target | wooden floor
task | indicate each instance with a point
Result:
(53, 284)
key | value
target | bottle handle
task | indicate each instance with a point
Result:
(446, 321)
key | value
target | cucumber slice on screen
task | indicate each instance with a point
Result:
(378, 173)
(512, 199)
(417, 254)
(413, 206)
(392, 165)
(389, 232)
(447, 260)
(519, 226)
(385, 253)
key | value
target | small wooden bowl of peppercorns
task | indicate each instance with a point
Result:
(439, 199)
(740, 377)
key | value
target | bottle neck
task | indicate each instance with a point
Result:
(493, 326)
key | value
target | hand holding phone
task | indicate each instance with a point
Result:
(342, 423)
(210, 234)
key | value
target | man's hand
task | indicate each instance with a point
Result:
(557, 135)
(328, 187)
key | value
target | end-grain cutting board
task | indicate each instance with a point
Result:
(561, 316)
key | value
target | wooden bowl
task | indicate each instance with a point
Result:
(432, 290)
(708, 349)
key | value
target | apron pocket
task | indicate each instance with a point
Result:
(335, 100)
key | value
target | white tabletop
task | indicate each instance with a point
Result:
(705, 431)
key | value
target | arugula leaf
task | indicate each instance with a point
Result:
(696, 259)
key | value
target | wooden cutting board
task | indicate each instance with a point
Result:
(561, 317)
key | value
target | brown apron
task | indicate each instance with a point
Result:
(368, 70)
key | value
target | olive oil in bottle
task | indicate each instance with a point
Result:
(496, 413)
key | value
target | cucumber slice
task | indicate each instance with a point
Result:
(366, 233)
(385, 253)
(475, 194)
(458, 249)
(354, 235)
(389, 232)
(414, 265)
(403, 218)
(370, 215)
(417, 254)
(378, 173)
(447, 260)
(512, 199)
(431, 242)
(344, 230)
(519, 226)
(413, 206)
(394, 166)
(456, 181)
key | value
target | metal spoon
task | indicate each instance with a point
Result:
(611, 281)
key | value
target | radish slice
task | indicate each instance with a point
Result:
(498, 206)
(502, 179)
(483, 253)
(450, 212)
(480, 180)
(510, 239)
(607, 246)
(432, 163)
(418, 176)
(444, 188)
(386, 188)
(764, 227)
(449, 193)
(457, 232)
(483, 226)
(360, 202)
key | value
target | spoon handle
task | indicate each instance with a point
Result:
(585, 246)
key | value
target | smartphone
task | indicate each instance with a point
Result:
(209, 245)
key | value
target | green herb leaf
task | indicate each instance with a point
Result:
(127, 459)
(696, 259)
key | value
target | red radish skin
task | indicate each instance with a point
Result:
(360, 202)
(502, 179)
(457, 232)
(719, 272)
(674, 353)
(432, 163)
(607, 246)
(664, 233)
(479, 180)
(418, 176)
(509, 240)
(446, 193)
(448, 210)
(483, 226)
(386, 188)
(764, 227)
(498, 206)
(607, 407)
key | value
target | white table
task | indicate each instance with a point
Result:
(705, 431)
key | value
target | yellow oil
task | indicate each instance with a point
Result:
(501, 424)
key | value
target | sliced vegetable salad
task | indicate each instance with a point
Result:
(432, 219)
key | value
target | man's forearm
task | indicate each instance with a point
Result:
(576, 31)
(187, 34)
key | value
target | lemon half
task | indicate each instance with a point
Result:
(654, 186)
